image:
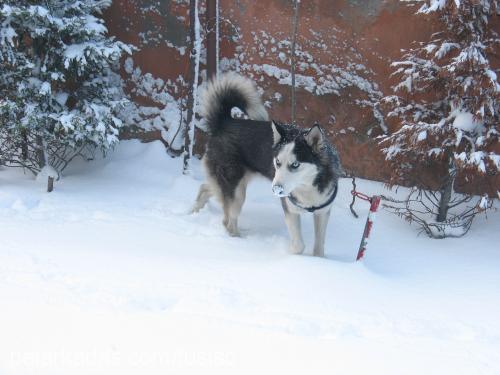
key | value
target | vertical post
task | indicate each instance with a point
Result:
(295, 23)
(217, 37)
(375, 202)
(211, 38)
(194, 67)
(50, 184)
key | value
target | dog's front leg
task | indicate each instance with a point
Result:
(320, 223)
(292, 221)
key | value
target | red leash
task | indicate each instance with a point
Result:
(374, 204)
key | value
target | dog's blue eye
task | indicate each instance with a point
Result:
(294, 165)
(278, 163)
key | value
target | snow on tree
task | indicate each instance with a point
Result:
(460, 128)
(59, 90)
(162, 111)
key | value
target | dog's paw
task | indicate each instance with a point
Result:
(232, 228)
(319, 252)
(233, 232)
(296, 248)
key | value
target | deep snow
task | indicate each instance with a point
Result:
(110, 275)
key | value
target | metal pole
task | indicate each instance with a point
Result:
(211, 38)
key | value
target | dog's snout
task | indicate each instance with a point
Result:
(279, 190)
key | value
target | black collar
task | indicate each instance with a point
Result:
(295, 202)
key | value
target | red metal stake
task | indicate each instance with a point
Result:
(375, 202)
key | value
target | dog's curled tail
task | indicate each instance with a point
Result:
(228, 91)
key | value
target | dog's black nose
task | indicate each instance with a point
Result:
(278, 190)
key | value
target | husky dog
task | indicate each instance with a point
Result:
(303, 166)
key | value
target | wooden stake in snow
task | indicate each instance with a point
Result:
(48, 174)
(374, 203)
(50, 184)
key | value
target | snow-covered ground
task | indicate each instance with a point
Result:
(110, 275)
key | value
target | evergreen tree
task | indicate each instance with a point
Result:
(59, 93)
(459, 127)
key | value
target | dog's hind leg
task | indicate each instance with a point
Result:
(204, 195)
(320, 223)
(292, 221)
(232, 207)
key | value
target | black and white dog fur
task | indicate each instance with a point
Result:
(302, 164)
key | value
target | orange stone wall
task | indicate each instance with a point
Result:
(345, 48)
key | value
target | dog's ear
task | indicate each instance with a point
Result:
(315, 137)
(277, 133)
